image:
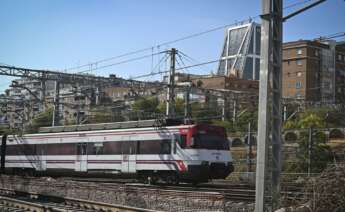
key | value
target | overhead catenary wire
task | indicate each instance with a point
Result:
(212, 61)
(124, 61)
(171, 41)
(177, 69)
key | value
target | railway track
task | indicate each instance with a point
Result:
(230, 191)
(223, 191)
(11, 200)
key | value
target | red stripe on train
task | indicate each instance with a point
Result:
(180, 164)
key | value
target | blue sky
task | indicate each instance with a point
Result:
(58, 34)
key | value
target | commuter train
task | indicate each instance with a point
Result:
(180, 153)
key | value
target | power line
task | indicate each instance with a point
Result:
(297, 4)
(176, 40)
(124, 61)
(161, 44)
(177, 69)
(199, 34)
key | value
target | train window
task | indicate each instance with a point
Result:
(206, 141)
(149, 147)
(28, 149)
(56, 149)
(81, 149)
(125, 147)
(112, 148)
(12, 150)
(154, 147)
(129, 147)
(96, 149)
(165, 147)
(21, 149)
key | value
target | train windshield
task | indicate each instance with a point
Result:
(207, 141)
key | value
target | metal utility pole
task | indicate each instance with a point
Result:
(250, 150)
(270, 92)
(170, 107)
(97, 96)
(285, 112)
(310, 149)
(187, 113)
(3, 153)
(43, 94)
(269, 123)
(224, 106)
(234, 111)
(56, 113)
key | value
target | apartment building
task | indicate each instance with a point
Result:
(26, 98)
(313, 71)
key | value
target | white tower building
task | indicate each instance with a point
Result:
(241, 52)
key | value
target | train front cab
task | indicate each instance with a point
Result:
(205, 149)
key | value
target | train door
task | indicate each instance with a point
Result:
(129, 156)
(81, 157)
(42, 158)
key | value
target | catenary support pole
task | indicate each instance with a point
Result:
(249, 152)
(269, 123)
(3, 153)
(276, 83)
(56, 113)
(187, 114)
(43, 95)
(170, 107)
(234, 111)
(310, 149)
(224, 106)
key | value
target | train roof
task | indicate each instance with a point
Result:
(112, 126)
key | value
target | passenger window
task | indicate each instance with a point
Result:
(98, 149)
(81, 149)
(165, 147)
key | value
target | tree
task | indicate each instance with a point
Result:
(146, 104)
(320, 152)
(311, 120)
(315, 118)
(290, 124)
(205, 112)
(179, 107)
(100, 117)
(43, 119)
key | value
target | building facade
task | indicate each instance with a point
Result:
(26, 98)
(313, 71)
(240, 55)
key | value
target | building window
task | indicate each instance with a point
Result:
(299, 74)
(316, 53)
(339, 57)
(299, 62)
(298, 85)
(288, 62)
(299, 51)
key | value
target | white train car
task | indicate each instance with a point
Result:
(190, 153)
